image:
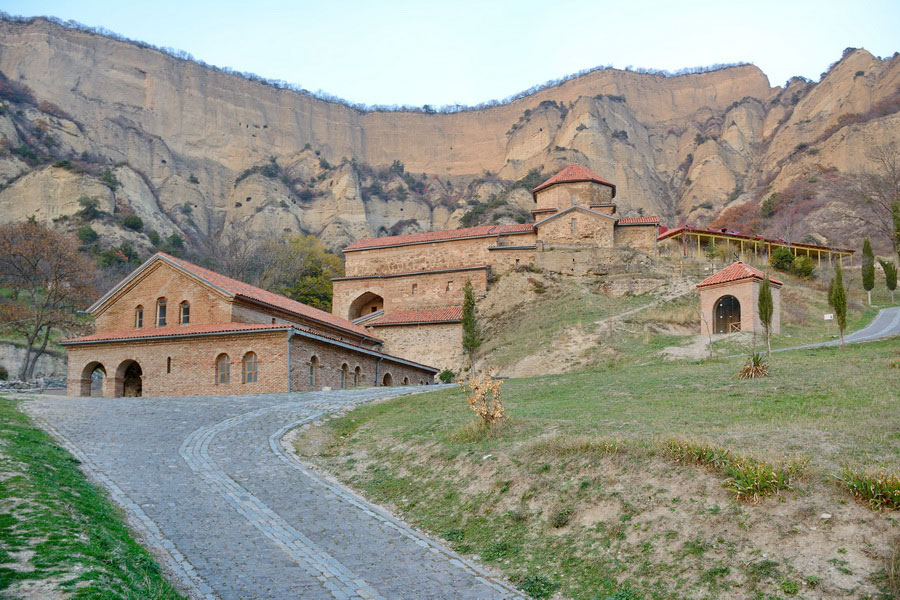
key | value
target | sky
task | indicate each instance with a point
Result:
(466, 52)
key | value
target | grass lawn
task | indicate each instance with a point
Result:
(576, 494)
(60, 536)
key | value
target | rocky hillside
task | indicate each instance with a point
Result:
(198, 153)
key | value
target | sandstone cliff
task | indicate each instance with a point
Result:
(196, 152)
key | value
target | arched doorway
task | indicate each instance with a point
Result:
(129, 379)
(406, 381)
(727, 315)
(365, 304)
(92, 377)
(387, 381)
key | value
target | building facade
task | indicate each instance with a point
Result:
(172, 328)
(408, 289)
(729, 300)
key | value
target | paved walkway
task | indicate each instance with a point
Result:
(886, 324)
(207, 484)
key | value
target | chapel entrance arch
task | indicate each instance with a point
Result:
(365, 304)
(129, 379)
(92, 377)
(727, 315)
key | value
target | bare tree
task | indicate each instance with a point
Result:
(49, 280)
(879, 190)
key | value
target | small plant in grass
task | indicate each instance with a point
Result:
(535, 585)
(561, 517)
(498, 551)
(878, 490)
(756, 366)
(625, 593)
(790, 587)
(691, 452)
(484, 399)
(752, 479)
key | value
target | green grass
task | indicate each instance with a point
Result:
(60, 533)
(575, 490)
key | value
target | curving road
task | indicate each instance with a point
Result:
(208, 486)
(885, 325)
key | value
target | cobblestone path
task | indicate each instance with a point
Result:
(208, 486)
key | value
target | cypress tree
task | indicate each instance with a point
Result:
(837, 298)
(895, 215)
(766, 309)
(868, 269)
(471, 335)
(890, 276)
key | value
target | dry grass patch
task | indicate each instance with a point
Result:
(879, 490)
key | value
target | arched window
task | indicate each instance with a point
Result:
(161, 312)
(249, 368)
(406, 381)
(357, 376)
(139, 316)
(223, 369)
(184, 313)
(313, 370)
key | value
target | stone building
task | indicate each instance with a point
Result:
(172, 328)
(407, 289)
(729, 300)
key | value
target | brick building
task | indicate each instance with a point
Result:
(729, 300)
(407, 289)
(172, 328)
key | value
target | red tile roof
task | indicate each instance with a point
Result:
(638, 221)
(440, 236)
(246, 291)
(175, 331)
(450, 314)
(573, 173)
(667, 233)
(736, 272)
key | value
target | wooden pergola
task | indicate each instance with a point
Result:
(693, 240)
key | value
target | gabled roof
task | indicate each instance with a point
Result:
(238, 289)
(450, 314)
(737, 272)
(439, 236)
(573, 174)
(571, 209)
(654, 220)
(175, 331)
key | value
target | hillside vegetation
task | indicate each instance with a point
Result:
(634, 480)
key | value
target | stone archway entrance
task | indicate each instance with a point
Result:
(129, 379)
(727, 316)
(387, 381)
(92, 377)
(365, 304)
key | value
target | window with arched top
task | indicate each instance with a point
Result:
(184, 312)
(161, 312)
(357, 376)
(249, 368)
(345, 372)
(139, 316)
(223, 369)
(313, 370)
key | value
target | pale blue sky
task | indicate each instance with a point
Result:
(408, 52)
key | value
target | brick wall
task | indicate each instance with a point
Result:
(432, 290)
(427, 257)
(582, 193)
(164, 281)
(638, 237)
(192, 369)
(746, 291)
(330, 363)
(589, 229)
(441, 343)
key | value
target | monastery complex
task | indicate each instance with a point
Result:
(172, 328)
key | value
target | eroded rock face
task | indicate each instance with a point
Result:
(190, 145)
